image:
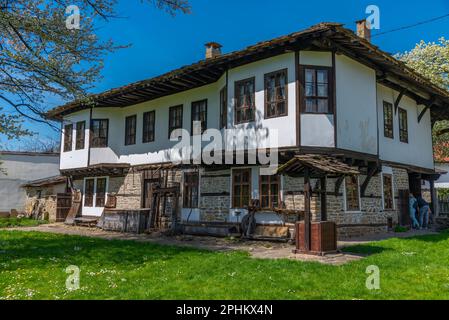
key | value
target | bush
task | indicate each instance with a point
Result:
(400, 229)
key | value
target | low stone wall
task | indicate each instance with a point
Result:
(45, 202)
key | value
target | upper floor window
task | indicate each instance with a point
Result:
(403, 125)
(352, 192)
(276, 94)
(223, 107)
(99, 133)
(387, 181)
(130, 130)
(245, 104)
(68, 135)
(175, 119)
(80, 135)
(190, 190)
(388, 120)
(318, 90)
(241, 188)
(199, 113)
(269, 192)
(149, 119)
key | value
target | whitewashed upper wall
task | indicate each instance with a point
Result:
(317, 130)
(356, 106)
(418, 151)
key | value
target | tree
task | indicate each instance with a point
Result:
(432, 61)
(43, 53)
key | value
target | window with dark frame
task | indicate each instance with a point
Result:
(149, 119)
(100, 193)
(352, 193)
(175, 119)
(68, 136)
(388, 120)
(403, 125)
(89, 192)
(80, 135)
(199, 113)
(190, 190)
(276, 94)
(318, 90)
(130, 130)
(269, 191)
(241, 188)
(388, 191)
(245, 104)
(224, 107)
(99, 133)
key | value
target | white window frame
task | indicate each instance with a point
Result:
(388, 173)
(345, 203)
(94, 210)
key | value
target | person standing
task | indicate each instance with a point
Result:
(424, 212)
(413, 206)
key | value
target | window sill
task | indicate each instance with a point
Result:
(275, 117)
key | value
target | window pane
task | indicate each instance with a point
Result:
(323, 106)
(100, 193)
(89, 193)
(68, 136)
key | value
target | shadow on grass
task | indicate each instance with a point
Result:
(38, 249)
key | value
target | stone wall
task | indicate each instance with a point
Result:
(215, 197)
(45, 202)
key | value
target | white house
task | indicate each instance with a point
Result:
(18, 168)
(322, 91)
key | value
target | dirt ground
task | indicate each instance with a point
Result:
(257, 249)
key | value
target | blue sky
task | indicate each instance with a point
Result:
(161, 42)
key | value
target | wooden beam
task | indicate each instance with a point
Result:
(323, 190)
(307, 224)
(398, 100)
(371, 172)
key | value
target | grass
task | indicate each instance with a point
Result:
(32, 266)
(19, 222)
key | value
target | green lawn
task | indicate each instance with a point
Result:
(32, 266)
(19, 222)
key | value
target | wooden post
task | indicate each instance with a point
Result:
(323, 188)
(434, 198)
(307, 225)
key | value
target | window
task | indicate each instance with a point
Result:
(403, 125)
(89, 193)
(175, 119)
(241, 188)
(99, 133)
(95, 190)
(130, 130)
(80, 135)
(388, 120)
(148, 126)
(269, 192)
(199, 113)
(318, 90)
(68, 132)
(276, 94)
(224, 107)
(245, 101)
(388, 191)
(190, 192)
(100, 196)
(352, 193)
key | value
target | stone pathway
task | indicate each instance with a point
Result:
(257, 249)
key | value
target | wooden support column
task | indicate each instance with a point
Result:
(307, 225)
(434, 199)
(323, 188)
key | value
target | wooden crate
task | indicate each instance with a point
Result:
(323, 237)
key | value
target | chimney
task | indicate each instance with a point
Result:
(364, 30)
(213, 50)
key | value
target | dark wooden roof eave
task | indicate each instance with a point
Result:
(326, 35)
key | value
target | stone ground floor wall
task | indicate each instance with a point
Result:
(215, 200)
(44, 200)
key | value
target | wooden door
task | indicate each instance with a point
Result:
(63, 204)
